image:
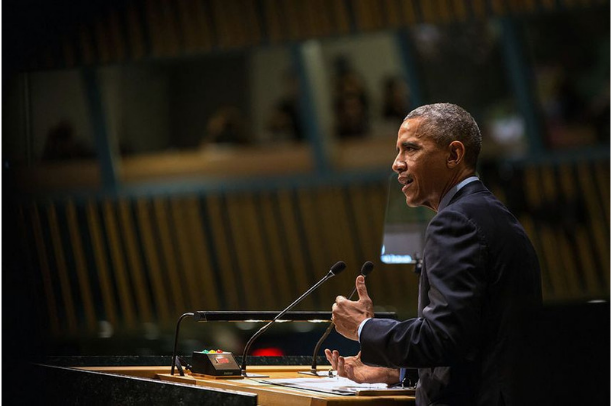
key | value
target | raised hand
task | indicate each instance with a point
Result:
(347, 315)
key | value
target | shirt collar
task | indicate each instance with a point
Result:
(453, 191)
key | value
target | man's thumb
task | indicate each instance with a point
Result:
(362, 290)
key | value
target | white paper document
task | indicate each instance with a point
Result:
(339, 386)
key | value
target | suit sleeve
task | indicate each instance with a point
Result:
(454, 257)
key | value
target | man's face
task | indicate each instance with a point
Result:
(421, 166)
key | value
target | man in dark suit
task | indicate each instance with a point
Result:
(479, 288)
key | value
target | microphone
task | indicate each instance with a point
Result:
(418, 265)
(334, 270)
(366, 268)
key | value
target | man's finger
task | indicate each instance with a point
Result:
(330, 358)
(362, 290)
(340, 368)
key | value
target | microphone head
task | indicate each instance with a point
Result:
(366, 268)
(337, 268)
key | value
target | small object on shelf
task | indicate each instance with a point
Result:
(216, 363)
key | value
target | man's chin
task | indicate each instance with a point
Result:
(411, 203)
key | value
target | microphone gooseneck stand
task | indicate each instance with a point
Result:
(176, 334)
(336, 269)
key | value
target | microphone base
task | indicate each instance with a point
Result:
(323, 374)
(251, 375)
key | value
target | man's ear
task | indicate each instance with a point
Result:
(456, 152)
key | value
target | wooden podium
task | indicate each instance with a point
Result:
(266, 394)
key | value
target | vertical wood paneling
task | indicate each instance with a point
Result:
(155, 28)
(258, 267)
(136, 37)
(172, 274)
(580, 255)
(498, 7)
(169, 27)
(223, 253)
(69, 310)
(252, 34)
(368, 14)
(208, 295)
(428, 11)
(313, 239)
(102, 42)
(193, 26)
(81, 270)
(118, 269)
(47, 281)
(160, 293)
(292, 22)
(329, 234)
(341, 19)
(184, 255)
(260, 250)
(134, 262)
(558, 247)
(273, 20)
(359, 208)
(460, 10)
(116, 40)
(104, 278)
(278, 265)
(297, 252)
(479, 8)
(530, 228)
(548, 4)
(393, 13)
(445, 11)
(587, 264)
(532, 192)
(345, 236)
(255, 286)
(88, 56)
(600, 233)
(602, 176)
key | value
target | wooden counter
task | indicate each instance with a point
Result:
(267, 394)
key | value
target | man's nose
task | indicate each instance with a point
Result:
(398, 165)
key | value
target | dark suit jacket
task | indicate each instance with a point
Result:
(479, 294)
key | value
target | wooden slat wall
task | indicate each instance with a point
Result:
(569, 225)
(148, 260)
(165, 28)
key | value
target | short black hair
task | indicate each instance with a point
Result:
(447, 122)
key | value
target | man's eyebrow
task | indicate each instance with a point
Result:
(407, 144)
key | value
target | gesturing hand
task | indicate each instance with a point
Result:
(347, 315)
(355, 370)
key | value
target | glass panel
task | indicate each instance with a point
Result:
(205, 116)
(463, 64)
(369, 98)
(60, 124)
(404, 229)
(570, 53)
(178, 104)
(275, 96)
